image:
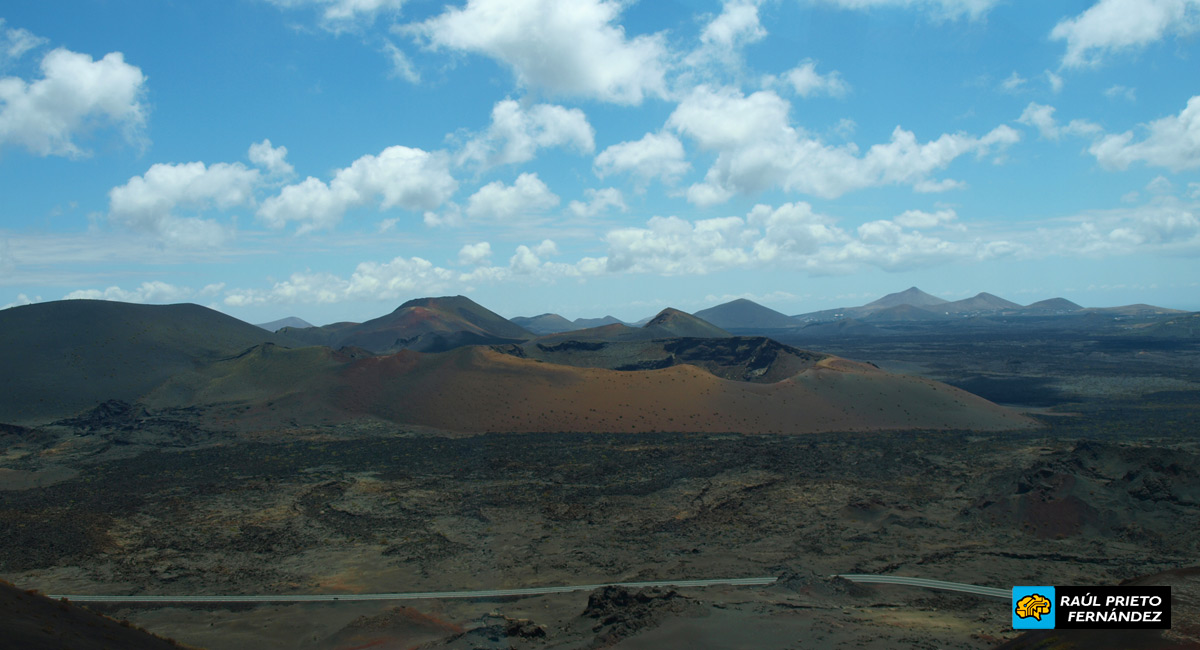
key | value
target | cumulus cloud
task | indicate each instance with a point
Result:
(759, 149)
(1042, 118)
(474, 254)
(75, 95)
(939, 9)
(516, 133)
(22, 300)
(522, 201)
(571, 48)
(148, 292)
(403, 177)
(723, 38)
(598, 201)
(15, 42)
(1161, 226)
(273, 159)
(150, 202)
(1172, 142)
(1111, 26)
(404, 277)
(655, 155)
(807, 82)
(792, 236)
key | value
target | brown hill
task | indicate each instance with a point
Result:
(479, 389)
(33, 622)
(62, 357)
(746, 358)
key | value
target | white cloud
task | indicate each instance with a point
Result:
(792, 236)
(1161, 226)
(1160, 185)
(1119, 91)
(403, 177)
(758, 149)
(723, 38)
(1014, 83)
(939, 9)
(22, 300)
(273, 159)
(149, 203)
(655, 155)
(1172, 142)
(516, 133)
(148, 292)
(597, 202)
(807, 82)
(1193, 191)
(572, 48)
(529, 260)
(1055, 81)
(15, 42)
(526, 198)
(402, 66)
(406, 277)
(74, 96)
(340, 15)
(1042, 118)
(1113, 25)
(474, 254)
(370, 281)
(922, 219)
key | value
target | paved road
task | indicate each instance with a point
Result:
(990, 592)
(487, 593)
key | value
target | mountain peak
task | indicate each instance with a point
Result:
(910, 296)
(679, 323)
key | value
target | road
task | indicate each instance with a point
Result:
(486, 593)
(989, 592)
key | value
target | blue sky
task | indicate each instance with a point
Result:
(331, 159)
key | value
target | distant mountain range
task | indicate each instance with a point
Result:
(452, 364)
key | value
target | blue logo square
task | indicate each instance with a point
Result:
(1033, 608)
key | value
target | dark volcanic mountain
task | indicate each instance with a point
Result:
(584, 323)
(746, 314)
(30, 621)
(1053, 306)
(290, 321)
(981, 302)
(910, 296)
(544, 324)
(426, 324)
(672, 322)
(62, 357)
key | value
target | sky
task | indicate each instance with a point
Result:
(331, 159)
